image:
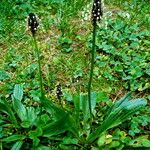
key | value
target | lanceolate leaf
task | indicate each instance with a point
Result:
(17, 145)
(93, 101)
(6, 108)
(56, 127)
(76, 100)
(85, 107)
(51, 108)
(18, 92)
(62, 120)
(120, 111)
(17, 104)
(118, 103)
(66, 123)
(32, 115)
(20, 109)
(13, 138)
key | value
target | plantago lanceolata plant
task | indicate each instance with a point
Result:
(96, 16)
(33, 25)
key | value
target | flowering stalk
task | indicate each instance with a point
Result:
(59, 93)
(33, 25)
(96, 16)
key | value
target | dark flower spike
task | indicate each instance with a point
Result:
(97, 11)
(32, 23)
(59, 92)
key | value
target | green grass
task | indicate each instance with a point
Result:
(65, 39)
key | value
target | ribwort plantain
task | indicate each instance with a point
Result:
(33, 25)
(97, 13)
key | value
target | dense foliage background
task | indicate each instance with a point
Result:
(65, 39)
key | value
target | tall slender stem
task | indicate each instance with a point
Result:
(92, 66)
(39, 66)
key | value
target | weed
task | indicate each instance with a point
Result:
(97, 13)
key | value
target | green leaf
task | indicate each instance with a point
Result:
(36, 142)
(32, 115)
(1, 129)
(42, 121)
(30, 118)
(69, 140)
(17, 145)
(66, 123)
(25, 124)
(118, 103)
(141, 141)
(20, 109)
(101, 140)
(63, 121)
(52, 109)
(102, 97)
(85, 107)
(67, 95)
(93, 101)
(67, 50)
(76, 100)
(30, 69)
(1, 146)
(6, 108)
(18, 92)
(36, 133)
(43, 148)
(118, 113)
(4, 75)
(114, 144)
(64, 147)
(95, 148)
(13, 138)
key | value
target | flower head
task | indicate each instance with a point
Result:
(32, 23)
(59, 92)
(97, 11)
